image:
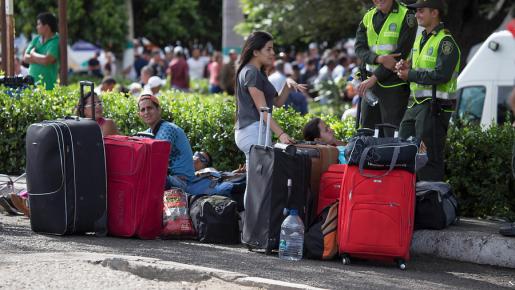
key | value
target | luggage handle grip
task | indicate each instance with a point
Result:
(262, 110)
(386, 125)
(395, 156)
(91, 85)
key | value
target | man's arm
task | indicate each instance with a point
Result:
(447, 58)
(405, 42)
(26, 55)
(44, 59)
(361, 47)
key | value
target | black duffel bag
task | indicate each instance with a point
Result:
(378, 153)
(436, 207)
(215, 219)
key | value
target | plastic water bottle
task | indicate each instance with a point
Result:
(370, 97)
(291, 242)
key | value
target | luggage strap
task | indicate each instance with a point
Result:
(363, 156)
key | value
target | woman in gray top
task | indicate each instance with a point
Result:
(253, 91)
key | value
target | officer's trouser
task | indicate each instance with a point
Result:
(418, 122)
(390, 109)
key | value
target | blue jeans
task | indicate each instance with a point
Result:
(176, 181)
(298, 102)
(204, 185)
(214, 89)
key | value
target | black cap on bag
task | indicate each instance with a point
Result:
(435, 4)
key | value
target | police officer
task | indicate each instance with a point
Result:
(435, 61)
(385, 34)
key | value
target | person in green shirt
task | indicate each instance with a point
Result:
(435, 62)
(385, 34)
(42, 54)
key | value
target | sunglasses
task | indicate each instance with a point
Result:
(201, 157)
(100, 104)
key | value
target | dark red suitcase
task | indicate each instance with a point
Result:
(376, 215)
(330, 186)
(136, 175)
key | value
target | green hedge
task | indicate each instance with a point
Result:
(478, 162)
(208, 120)
(479, 168)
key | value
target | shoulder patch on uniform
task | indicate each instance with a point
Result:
(447, 47)
(411, 20)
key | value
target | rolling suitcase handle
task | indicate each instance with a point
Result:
(262, 110)
(386, 125)
(91, 85)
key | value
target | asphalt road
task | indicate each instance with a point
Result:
(22, 250)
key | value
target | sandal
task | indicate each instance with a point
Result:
(8, 206)
(20, 204)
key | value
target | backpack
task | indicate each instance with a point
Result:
(321, 242)
(436, 206)
(215, 219)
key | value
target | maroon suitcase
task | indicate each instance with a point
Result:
(376, 215)
(136, 175)
(330, 186)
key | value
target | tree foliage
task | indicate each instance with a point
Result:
(290, 21)
(472, 21)
(104, 23)
(101, 22)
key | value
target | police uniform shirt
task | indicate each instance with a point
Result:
(447, 58)
(405, 42)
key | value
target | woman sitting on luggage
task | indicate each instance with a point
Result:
(107, 126)
(318, 131)
(253, 91)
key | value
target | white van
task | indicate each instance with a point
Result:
(486, 82)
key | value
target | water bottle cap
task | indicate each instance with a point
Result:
(294, 211)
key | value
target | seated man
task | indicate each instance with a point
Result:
(210, 181)
(180, 167)
(318, 131)
(201, 160)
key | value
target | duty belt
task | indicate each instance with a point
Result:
(447, 105)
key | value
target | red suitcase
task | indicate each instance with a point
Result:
(376, 215)
(330, 186)
(136, 174)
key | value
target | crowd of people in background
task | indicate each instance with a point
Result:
(177, 67)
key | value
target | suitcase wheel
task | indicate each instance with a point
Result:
(346, 260)
(401, 264)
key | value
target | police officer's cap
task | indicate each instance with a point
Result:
(435, 4)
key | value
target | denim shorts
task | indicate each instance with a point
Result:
(248, 136)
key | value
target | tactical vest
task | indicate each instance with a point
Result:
(386, 41)
(425, 60)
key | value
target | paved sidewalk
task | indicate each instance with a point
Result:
(471, 240)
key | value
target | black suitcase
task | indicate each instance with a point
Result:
(267, 192)
(66, 177)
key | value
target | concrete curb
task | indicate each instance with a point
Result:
(479, 245)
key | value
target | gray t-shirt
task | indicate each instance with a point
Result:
(247, 113)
